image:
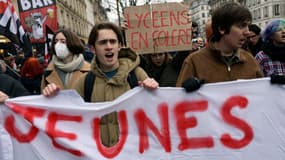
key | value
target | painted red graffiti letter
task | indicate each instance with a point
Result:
(29, 113)
(226, 139)
(143, 122)
(113, 151)
(53, 118)
(184, 123)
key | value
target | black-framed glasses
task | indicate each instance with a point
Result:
(105, 41)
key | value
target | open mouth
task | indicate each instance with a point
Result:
(242, 41)
(109, 55)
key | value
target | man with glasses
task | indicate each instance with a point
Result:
(255, 43)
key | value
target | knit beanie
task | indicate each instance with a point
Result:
(271, 28)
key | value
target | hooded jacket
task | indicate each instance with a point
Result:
(105, 89)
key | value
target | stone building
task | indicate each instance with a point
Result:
(264, 11)
(199, 10)
(80, 15)
(216, 3)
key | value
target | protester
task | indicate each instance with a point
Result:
(272, 57)
(31, 75)
(208, 31)
(255, 43)
(111, 66)
(169, 75)
(195, 29)
(195, 45)
(87, 54)
(9, 88)
(19, 59)
(67, 63)
(6, 69)
(223, 59)
(156, 63)
(10, 61)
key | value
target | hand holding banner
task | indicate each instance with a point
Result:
(222, 121)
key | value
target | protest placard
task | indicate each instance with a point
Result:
(158, 28)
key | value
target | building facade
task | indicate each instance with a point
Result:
(199, 10)
(216, 3)
(80, 15)
(264, 11)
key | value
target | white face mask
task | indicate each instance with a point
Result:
(61, 50)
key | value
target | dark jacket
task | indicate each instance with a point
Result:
(33, 85)
(170, 74)
(260, 45)
(12, 87)
(155, 71)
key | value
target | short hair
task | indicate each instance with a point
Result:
(254, 28)
(32, 68)
(93, 36)
(227, 15)
(73, 42)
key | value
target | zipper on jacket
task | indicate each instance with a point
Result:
(229, 68)
(229, 71)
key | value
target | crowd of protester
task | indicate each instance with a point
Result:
(234, 49)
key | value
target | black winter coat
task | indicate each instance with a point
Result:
(12, 87)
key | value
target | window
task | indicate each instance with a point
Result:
(265, 11)
(276, 10)
(254, 14)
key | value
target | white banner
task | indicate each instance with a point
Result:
(242, 120)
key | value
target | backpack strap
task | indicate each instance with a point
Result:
(88, 86)
(90, 79)
(132, 79)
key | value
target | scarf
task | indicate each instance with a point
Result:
(69, 68)
(274, 52)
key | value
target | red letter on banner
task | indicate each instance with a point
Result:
(226, 139)
(29, 114)
(184, 123)
(143, 122)
(113, 151)
(53, 118)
